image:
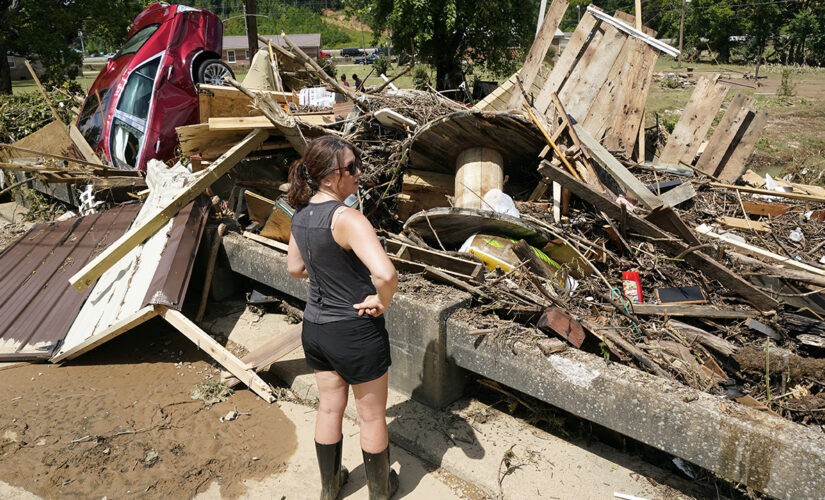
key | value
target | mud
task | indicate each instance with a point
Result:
(120, 421)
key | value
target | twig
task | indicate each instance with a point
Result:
(434, 233)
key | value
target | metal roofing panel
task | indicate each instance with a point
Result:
(37, 304)
(171, 278)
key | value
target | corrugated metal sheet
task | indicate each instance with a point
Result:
(37, 304)
(171, 278)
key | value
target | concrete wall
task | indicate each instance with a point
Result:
(417, 328)
(765, 452)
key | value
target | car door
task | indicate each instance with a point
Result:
(131, 115)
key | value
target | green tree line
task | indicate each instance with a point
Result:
(780, 31)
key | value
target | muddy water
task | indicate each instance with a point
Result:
(120, 421)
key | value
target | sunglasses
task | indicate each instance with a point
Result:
(351, 167)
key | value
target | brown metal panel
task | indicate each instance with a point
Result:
(37, 304)
(172, 275)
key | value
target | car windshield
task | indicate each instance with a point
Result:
(91, 116)
(137, 40)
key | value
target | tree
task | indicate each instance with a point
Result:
(445, 33)
(46, 30)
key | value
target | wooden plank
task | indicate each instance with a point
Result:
(567, 61)
(277, 245)
(118, 328)
(422, 180)
(628, 118)
(674, 247)
(697, 117)
(590, 74)
(690, 311)
(768, 192)
(604, 105)
(666, 219)
(216, 101)
(258, 207)
(752, 225)
(616, 169)
(158, 219)
(261, 358)
(252, 122)
(762, 208)
(739, 158)
(538, 50)
(726, 136)
(695, 334)
(443, 261)
(219, 353)
(781, 260)
(82, 146)
(497, 99)
(42, 90)
(679, 194)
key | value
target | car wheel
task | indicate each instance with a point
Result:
(214, 72)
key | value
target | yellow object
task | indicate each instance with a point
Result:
(497, 251)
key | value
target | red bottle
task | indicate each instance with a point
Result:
(632, 285)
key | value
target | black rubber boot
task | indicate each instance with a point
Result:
(381, 480)
(333, 476)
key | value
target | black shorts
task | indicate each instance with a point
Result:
(358, 349)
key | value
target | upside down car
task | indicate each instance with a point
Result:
(147, 88)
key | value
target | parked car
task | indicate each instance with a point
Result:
(352, 52)
(324, 55)
(366, 60)
(147, 88)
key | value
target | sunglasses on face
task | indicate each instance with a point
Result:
(351, 167)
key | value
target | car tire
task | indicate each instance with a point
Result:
(213, 72)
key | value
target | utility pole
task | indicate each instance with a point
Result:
(541, 16)
(251, 27)
(681, 35)
(363, 45)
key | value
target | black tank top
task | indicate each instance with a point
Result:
(337, 277)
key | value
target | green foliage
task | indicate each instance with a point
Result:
(275, 18)
(211, 392)
(786, 85)
(25, 113)
(47, 30)
(421, 78)
(446, 33)
(381, 65)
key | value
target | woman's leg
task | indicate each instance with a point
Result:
(333, 392)
(371, 403)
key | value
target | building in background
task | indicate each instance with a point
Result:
(236, 48)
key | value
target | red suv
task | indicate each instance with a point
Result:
(147, 88)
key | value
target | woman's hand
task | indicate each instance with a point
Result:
(371, 305)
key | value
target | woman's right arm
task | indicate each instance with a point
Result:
(294, 261)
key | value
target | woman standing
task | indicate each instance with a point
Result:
(343, 336)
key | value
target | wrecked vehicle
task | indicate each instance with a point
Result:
(148, 88)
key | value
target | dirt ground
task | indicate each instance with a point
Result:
(121, 421)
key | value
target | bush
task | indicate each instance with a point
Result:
(381, 65)
(421, 78)
(786, 85)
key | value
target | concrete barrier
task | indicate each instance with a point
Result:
(432, 354)
(420, 368)
(763, 451)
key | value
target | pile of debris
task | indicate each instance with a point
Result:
(538, 202)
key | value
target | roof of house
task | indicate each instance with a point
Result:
(300, 39)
